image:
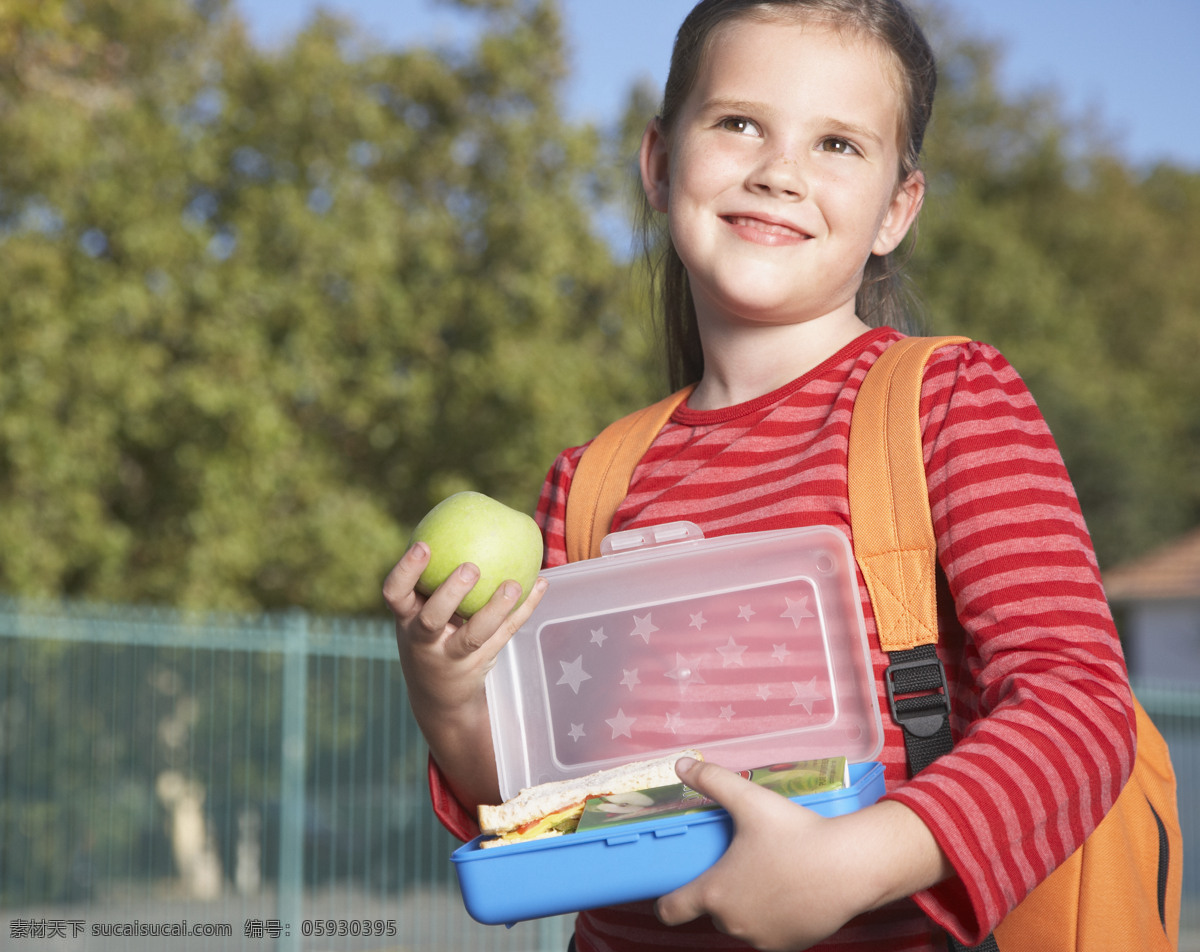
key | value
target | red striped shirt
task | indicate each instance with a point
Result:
(1042, 714)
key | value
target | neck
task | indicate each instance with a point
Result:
(742, 363)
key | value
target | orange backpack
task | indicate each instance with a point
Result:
(1121, 890)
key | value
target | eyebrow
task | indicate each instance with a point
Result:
(735, 106)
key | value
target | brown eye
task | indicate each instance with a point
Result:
(838, 146)
(739, 124)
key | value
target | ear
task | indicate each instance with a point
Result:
(654, 160)
(901, 213)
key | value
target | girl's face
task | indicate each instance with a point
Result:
(779, 178)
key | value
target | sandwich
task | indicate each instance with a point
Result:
(552, 809)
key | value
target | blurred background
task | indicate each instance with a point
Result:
(279, 277)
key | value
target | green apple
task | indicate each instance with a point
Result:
(471, 527)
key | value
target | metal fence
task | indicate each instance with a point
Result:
(254, 783)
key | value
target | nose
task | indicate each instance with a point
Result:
(779, 174)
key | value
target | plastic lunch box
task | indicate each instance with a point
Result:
(750, 647)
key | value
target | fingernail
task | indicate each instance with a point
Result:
(512, 591)
(541, 585)
(468, 572)
(419, 550)
(685, 764)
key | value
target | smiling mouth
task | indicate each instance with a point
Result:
(765, 228)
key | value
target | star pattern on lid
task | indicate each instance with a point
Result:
(721, 679)
(731, 653)
(573, 674)
(806, 694)
(797, 610)
(622, 725)
(643, 628)
(686, 671)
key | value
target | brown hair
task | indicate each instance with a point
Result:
(889, 22)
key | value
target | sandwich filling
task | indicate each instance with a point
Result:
(553, 809)
(552, 824)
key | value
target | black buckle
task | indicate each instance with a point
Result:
(925, 702)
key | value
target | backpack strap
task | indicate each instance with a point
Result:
(602, 476)
(894, 543)
(889, 496)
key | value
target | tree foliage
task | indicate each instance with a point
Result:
(264, 308)
(1038, 238)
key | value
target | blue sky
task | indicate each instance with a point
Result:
(1132, 67)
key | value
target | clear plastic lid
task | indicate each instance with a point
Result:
(750, 647)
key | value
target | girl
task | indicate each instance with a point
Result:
(784, 164)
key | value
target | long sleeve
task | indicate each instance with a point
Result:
(1042, 709)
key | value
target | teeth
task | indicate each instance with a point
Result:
(767, 227)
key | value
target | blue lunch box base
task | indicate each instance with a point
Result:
(563, 874)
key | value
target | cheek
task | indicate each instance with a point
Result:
(702, 172)
(865, 207)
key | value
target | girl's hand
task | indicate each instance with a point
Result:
(444, 656)
(445, 660)
(775, 887)
(791, 877)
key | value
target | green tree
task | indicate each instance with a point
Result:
(268, 308)
(1038, 238)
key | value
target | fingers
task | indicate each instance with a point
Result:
(433, 619)
(689, 901)
(702, 896)
(484, 623)
(425, 618)
(718, 783)
(399, 586)
(494, 624)
(683, 905)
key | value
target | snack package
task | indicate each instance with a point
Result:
(788, 780)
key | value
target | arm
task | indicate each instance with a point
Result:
(1042, 710)
(791, 877)
(445, 661)
(445, 664)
